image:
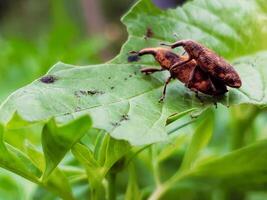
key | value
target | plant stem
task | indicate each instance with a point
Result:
(97, 191)
(160, 190)
(155, 165)
(112, 186)
(163, 188)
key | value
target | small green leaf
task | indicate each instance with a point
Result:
(132, 192)
(243, 168)
(172, 147)
(86, 157)
(14, 160)
(58, 140)
(115, 150)
(199, 140)
(57, 181)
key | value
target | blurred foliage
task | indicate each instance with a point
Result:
(30, 44)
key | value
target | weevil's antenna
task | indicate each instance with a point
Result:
(133, 52)
(164, 44)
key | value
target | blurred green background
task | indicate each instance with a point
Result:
(34, 35)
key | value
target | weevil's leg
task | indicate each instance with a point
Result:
(199, 98)
(215, 104)
(151, 70)
(183, 53)
(175, 65)
(191, 77)
(164, 89)
(214, 96)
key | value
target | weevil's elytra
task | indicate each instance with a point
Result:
(189, 73)
(209, 62)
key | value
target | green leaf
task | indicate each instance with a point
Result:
(86, 157)
(133, 192)
(243, 168)
(58, 140)
(116, 150)
(14, 187)
(30, 168)
(57, 181)
(14, 160)
(172, 147)
(199, 141)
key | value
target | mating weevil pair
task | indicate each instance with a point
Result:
(201, 71)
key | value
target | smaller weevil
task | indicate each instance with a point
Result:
(209, 62)
(189, 73)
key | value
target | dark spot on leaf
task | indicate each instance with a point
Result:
(76, 93)
(135, 73)
(130, 75)
(109, 77)
(112, 88)
(165, 4)
(88, 92)
(115, 124)
(125, 79)
(124, 117)
(77, 109)
(133, 58)
(149, 33)
(83, 92)
(48, 79)
(93, 92)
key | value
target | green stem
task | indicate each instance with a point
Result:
(160, 190)
(166, 186)
(155, 165)
(112, 186)
(97, 191)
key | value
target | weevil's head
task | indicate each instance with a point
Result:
(166, 58)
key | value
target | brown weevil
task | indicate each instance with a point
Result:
(209, 62)
(189, 73)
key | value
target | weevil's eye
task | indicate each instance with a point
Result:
(133, 58)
